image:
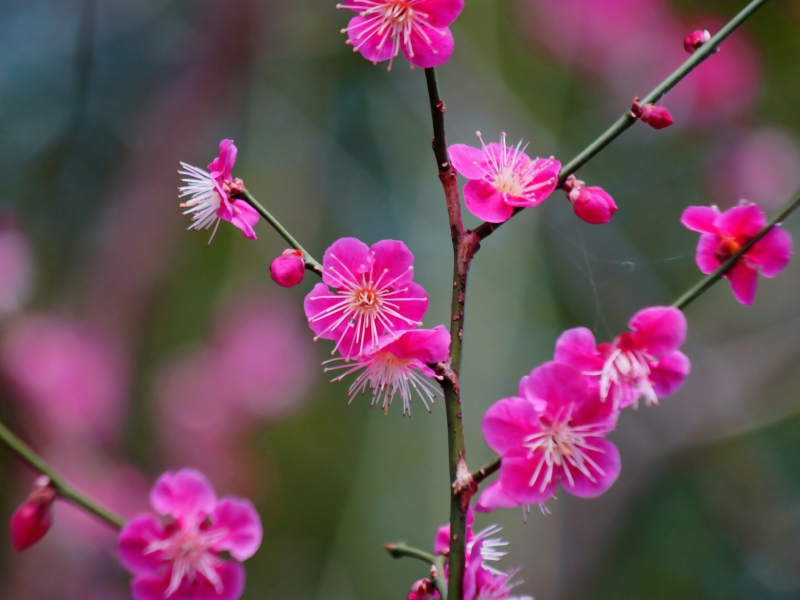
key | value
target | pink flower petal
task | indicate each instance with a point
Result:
(431, 52)
(318, 300)
(706, 257)
(426, 345)
(494, 497)
(700, 218)
(441, 13)
(508, 422)
(561, 386)
(742, 221)
(772, 252)
(669, 373)
(744, 280)
(659, 329)
(364, 37)
(395, 259)
(516, 474)
(231, 576)
(239, 519)
(185, 495)
(244, 217)
(608, 459)
(222, 166)
(347, 257)
(577, 348)
(485, 202)
(468, 160)
(134, 539)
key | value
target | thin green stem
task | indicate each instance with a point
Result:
(311, 263)
(628, 119)
(401, 550)
(487, 470)
(705, 283)
(66, 491)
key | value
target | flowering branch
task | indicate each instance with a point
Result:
(465, 245)
(400, 550)
(311, 263)
(696, 291)
(23, 451)
(628, 119)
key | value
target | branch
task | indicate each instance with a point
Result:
(23, 451)
(627, 120)
(400, 550)
(696, 291)
(311, 263)
(487, 470)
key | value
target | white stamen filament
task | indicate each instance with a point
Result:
(510, 173)
(625, 368)
(204, 201)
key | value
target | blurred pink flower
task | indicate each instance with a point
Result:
(422, 590)
(724, 233)
(288, 269)
(418, 28)
(399, 364)
(16, 269)
(762, 165)
(553, 433)
(34, 517)
(210, 195)
(645, 362)
(693, 41)
(502, 178)
(591, 204)
(71, 379)
(183, 556)
(481, 583)
(374, 295)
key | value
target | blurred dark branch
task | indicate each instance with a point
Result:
(311, 262)
(628, 119)
(64, 490)
(711, 279)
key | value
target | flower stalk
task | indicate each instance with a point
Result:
(400, 550)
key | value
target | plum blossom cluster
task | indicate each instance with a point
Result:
(553, 432)
(369, 305)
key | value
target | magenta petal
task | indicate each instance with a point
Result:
(560, 385)
(347, 258)
(411, 302)
(222, 166)
(134, 540)
(395, 259)
(441, 13)
(577, 348)
(607, 458)
(365, 38)
(239, 519)
(431, 52)
(744, 280)
(183, 495)
(469, 161)
(742, 221)
(508, 422)
(494, 497)
(425, 345)
(516, 474)
(706, 257)
(659, 329)
(231, 576)
(700, 218)
(245, 218)
(442, 539)
(772, 252)
(485, 202)
(669, 373)
(318, 300)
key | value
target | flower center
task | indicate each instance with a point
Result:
(728, 246)
(625, 367)
(397, 12)
(511, 172)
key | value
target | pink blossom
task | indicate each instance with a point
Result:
(491, 548)
(288, 269)
(592, 204)
(502, 178)
(32, 520)
(724, 233)
(182, 558)
(423, 590)
(16, 269)
(553, 433)
(418, 28)
(373, 295)
(694, 40)
(657, 117)
(482, 583)
(71, 378)
(645, 362)
(398, 364)
(210, 195)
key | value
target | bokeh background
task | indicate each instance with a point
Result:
(127, 346)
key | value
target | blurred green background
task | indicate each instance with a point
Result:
(101, 100)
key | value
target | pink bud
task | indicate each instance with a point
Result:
(422, 590)
(288, 269)
(32, 520)
(694, 40)
(592, 204)
(657, 117)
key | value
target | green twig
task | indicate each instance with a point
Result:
(401, 550)
(487, 470)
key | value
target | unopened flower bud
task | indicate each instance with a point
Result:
(288, 269)
(657, 117)
(694, 40)
(32, 520)
(592, 204)
(422, 590)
